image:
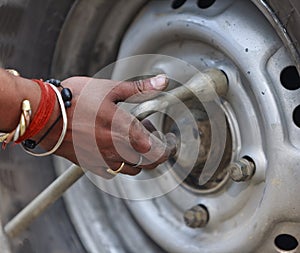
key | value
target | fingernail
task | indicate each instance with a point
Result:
(159, 82)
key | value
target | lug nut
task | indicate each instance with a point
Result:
(242, 170)
(196, 217)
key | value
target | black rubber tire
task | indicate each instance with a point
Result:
(288, 13)
(29, 31)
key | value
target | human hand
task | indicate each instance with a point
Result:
(100, 134)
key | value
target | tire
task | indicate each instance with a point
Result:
(37, 36)
(285, 18)
(29, 31)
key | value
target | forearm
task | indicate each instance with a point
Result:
(13, 91)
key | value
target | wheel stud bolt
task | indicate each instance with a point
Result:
(241, 170)
(196, 217)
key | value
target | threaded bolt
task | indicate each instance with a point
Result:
(196, 217)
(241, 170)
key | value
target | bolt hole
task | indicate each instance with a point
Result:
(204, 4)
(296, 116)
(225, 75)
(205, 208)
(289, 78)
(177, 3)
(196, 217)
(286, 242)
(249, 159)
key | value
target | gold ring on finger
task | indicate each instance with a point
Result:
(115, 172)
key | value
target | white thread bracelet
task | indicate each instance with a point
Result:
(64, 129)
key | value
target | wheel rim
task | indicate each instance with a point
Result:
(241, 215)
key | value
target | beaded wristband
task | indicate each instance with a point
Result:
(67, 97)
(65, 92)
(64, 130)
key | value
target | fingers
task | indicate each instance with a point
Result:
(139, 137)
(113, 126)
(139, 90)
(170, 142)
(143, 162)
(131, 169)
(146, 141)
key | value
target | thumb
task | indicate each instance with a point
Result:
(141, 90)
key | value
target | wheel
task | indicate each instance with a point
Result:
(254, 42)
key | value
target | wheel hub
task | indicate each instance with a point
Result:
(191, 181)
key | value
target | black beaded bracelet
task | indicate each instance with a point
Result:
(65, 92)
(67, 97)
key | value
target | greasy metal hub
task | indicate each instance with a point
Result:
(191, 181)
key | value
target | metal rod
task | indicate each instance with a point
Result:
(43, 201)
(4, 244)
(205, 84)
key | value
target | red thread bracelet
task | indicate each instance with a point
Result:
(43, 113)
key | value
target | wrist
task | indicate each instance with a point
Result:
(24, 89)
(53, 134)
(43, 113)
(39, 112)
